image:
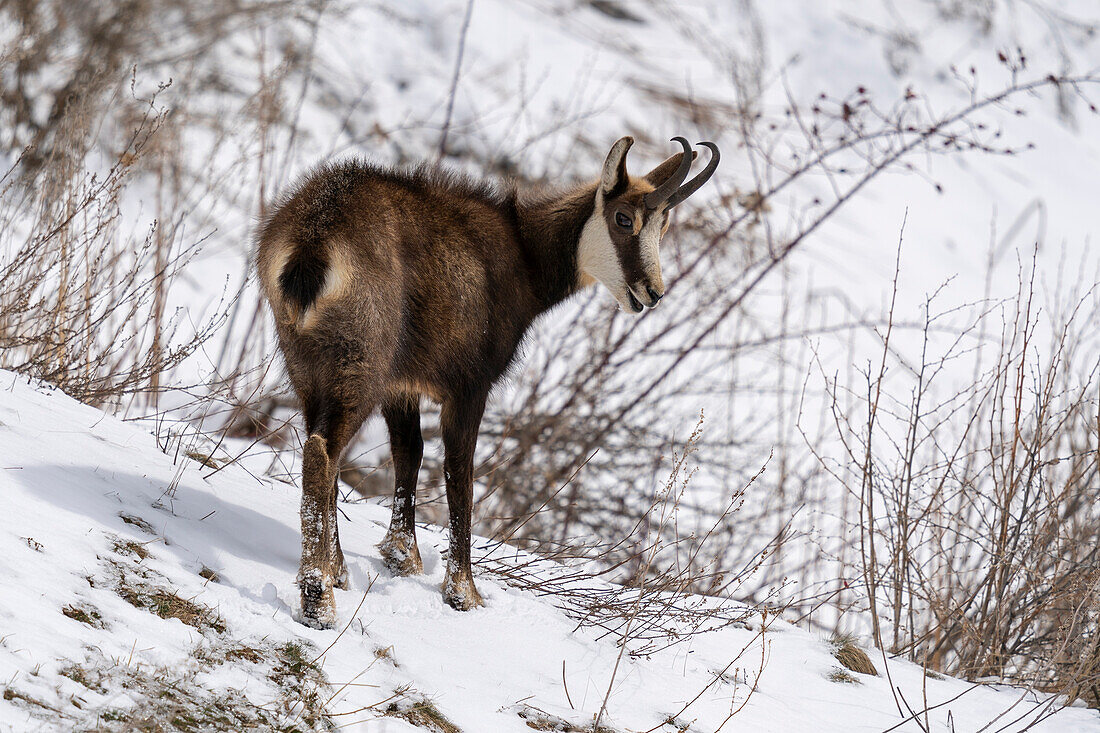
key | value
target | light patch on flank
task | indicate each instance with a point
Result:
(339, 276)
(276, 261)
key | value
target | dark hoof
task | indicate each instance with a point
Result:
(400, 554)
(316, 623)
(318, 605)
(460, 594)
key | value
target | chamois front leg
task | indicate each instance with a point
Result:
(398, 548)
(460, 420)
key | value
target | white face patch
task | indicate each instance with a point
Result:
(597, 259)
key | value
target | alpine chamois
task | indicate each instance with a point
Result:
(388, 286)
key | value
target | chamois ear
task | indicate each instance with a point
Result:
(660, 174)
(614, 179)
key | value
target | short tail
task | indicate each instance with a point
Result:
(303, 276)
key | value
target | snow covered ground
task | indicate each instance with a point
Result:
(141, 585)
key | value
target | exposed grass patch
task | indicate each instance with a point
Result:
(129, 548)
(89, 677)
(293, 660)
(209, 574)
(850, 655)
(130, 584)
(423, 714)
(844, 677)
(177, 697)
(137, 522)
(13, 695)
(541, 720)
(303, 682)
(167, 604)
(85, 614)
(245, 653)
(205, 459)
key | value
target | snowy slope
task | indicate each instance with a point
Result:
(103, 537)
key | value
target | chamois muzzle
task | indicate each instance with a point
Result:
(642, 295)
(671, 192)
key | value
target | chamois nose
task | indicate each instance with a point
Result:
(654, 296)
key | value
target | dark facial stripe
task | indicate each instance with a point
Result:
(629, 253)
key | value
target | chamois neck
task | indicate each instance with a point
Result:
(550, 227)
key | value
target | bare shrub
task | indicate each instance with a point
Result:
(88, 133)
(79, 292)
(667, 566)
(977, 510)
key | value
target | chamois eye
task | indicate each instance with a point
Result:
(624, 221)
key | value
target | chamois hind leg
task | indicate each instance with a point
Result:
(460, 420)
(315, 573)
(322, 560)
(398, 548)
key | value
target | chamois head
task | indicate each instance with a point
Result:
(619, 244)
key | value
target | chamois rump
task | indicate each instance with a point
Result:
(387, 286)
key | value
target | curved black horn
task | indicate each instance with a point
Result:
(696, 183)
(657, 196)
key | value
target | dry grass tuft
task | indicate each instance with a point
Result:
(12, 695)
(386, 653)
(129, 548)
(246, 653)
(206, 459)
(423, 714)
(843, 677)
(87, 676)
(138, 522)
(167, 604)
(306, 687)
(850, 655)
(176, 698)
(85, 614)
(541, 720)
